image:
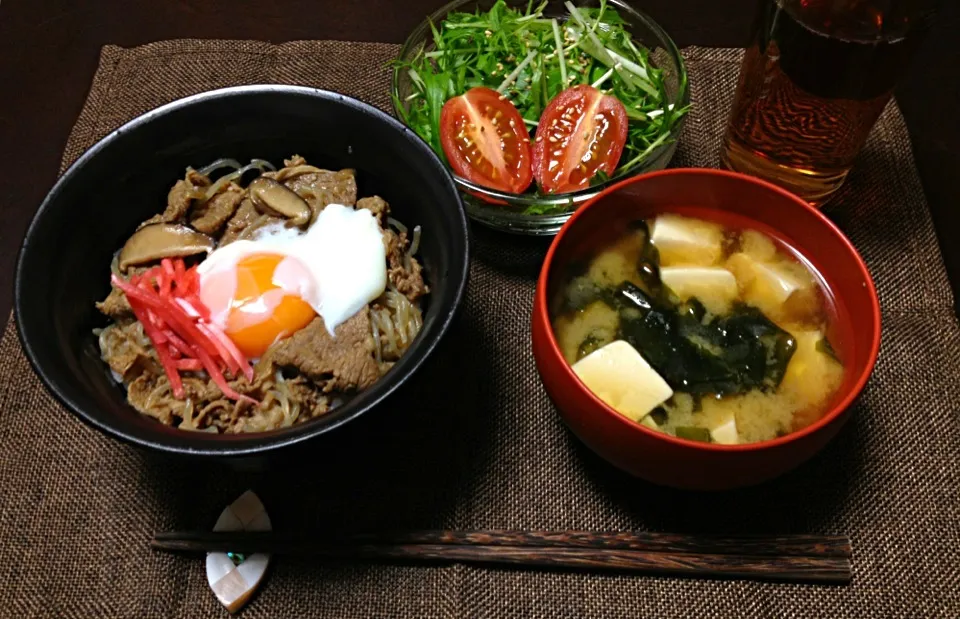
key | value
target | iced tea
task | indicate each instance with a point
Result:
(813, 82)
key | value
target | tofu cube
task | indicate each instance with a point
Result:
(622, 378)
(684, 241)
(726, 433)
(715, 287)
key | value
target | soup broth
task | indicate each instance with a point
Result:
(701, 331)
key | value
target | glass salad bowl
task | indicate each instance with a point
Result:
(535, 212)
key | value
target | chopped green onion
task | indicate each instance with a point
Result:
(693, 433)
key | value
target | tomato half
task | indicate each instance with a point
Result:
(486, 141)
(581, 132)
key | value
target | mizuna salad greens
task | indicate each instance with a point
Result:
(529, 58)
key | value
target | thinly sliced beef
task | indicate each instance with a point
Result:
(376, 205)
(180, 198)
(178, 201)
(408, 280)
(127, 349)
(115, 305)
(142, 393)
(210, 217)
(305, 403)
(138, 394)
(322, 187)
(316, 186)
(245, 221)
(294, 162)
(342, 363)
(405, 275)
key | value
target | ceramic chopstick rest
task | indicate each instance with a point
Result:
(234, 577)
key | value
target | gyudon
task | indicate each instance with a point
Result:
(250, 305)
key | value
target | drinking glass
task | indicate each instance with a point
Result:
(814, 80)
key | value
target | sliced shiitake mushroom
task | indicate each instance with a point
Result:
(274, 198)
(162, 240)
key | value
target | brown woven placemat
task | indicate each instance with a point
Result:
(475, 442)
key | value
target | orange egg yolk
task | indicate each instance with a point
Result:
(261, 312)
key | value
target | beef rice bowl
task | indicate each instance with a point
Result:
(260, 298)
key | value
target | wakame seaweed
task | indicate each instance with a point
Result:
(651, 327)
(659, 416)
(757, 347)
(824, 346)
(729, 355)
(596, 339)
(649, 264)
(581, 292)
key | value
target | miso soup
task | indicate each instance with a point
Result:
(700, 331)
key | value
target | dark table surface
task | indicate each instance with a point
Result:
(49, 51)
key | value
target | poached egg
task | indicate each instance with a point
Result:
(266, 288)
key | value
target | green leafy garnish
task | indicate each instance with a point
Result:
(824, 346)
(530, 58)
(547, 208)
(693, 433)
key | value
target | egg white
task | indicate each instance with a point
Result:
(342, 252)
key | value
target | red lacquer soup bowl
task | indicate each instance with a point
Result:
(738, 201)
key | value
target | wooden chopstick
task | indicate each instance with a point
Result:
(793, 558)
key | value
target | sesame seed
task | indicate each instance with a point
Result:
(552, 139)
